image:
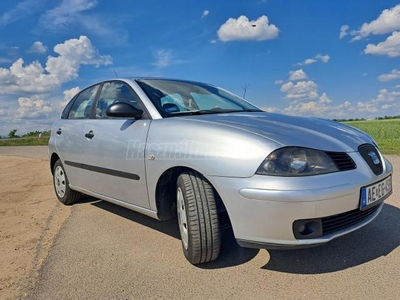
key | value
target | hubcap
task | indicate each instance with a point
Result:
(182, 219)
(59, 181)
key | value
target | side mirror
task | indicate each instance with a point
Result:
(123, 110)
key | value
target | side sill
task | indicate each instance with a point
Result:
(139, 209)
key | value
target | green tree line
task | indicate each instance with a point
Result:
(13, 134)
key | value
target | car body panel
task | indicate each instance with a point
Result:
(273, 204)
(70, 145)
(311, 133)
(175, 142)
(118, 145)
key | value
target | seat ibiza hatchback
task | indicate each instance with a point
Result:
(175, 148)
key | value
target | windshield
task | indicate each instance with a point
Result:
(177, 98)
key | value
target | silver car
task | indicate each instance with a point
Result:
(167, 148)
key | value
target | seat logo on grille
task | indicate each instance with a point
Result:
(374, 157)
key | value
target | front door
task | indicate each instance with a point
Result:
(115, 148)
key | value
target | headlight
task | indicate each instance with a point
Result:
(294, 161)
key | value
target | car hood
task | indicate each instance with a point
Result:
(292, 131)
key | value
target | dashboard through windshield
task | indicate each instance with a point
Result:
(177, 98)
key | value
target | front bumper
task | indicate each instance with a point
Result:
(262, 209)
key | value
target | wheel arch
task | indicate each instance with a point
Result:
(54, 157)
(166, 192)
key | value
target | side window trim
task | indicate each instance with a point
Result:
(96, 97)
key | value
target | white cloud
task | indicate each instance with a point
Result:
(21, 78)
(242, 29)
(269, 109)
(344, 31)
(37, 47)
(280, 81)
(80, 16)
(390, 47)
(205, 14)
(323, 58)
(82, 51)
(33, 107)
(72, 54)
(321, 110)
(163, 58)
(308, 61)
(297, 75)
(386, 103)
(388, 21)
(322, 107)
(68, 95)
(324, 99)
(33, 78)
(316, 58)
(395, 74)
(300, 90)
(20, 11)
(65, 14)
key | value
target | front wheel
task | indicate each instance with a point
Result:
(197, 218)
(61, 185)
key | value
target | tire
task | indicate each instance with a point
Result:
(197, 218)
(61, 185)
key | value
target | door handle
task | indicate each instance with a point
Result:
(59, 131)
(90, 134)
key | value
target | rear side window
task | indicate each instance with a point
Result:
(64, 114)
(82, 107)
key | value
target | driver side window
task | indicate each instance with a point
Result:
(113, 92)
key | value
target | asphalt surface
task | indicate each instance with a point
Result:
(28, 151)
(107, 252)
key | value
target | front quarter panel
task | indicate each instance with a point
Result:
(211, 149)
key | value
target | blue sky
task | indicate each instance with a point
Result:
(329, 59)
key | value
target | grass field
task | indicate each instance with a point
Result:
(26, 141)
(385, 132)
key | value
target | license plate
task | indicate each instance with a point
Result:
(375, 193)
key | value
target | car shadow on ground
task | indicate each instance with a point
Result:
(169, 227)
(231, 253)
(379, 238)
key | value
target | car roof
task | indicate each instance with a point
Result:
(139, 78)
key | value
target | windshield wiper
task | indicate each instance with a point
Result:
(209, 112)
(252, 110)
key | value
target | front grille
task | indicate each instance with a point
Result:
(342, 161)
(372, 157)
(338, 222)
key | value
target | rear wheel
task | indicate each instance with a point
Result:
(197, 218)
(61, 185)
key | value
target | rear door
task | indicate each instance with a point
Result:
(115, 151)
(70, 136)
